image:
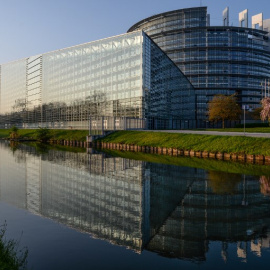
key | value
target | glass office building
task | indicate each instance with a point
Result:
(216, 59)
(122, 76)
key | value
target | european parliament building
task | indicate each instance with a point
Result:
(160, 75)
(216, 59)
(123, 76)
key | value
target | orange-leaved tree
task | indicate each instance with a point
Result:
(223, 107)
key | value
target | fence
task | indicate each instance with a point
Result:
(103, 124)
(99, 125)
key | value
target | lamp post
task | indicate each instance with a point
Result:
(244, 120)
(244, 107)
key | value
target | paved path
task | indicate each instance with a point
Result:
(259, 135)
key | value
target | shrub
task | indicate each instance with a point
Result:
(14, 133)
(252, 125)
(10, 257)
(43, 134)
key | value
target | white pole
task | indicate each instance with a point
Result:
(265, 89)
(90, 125)
(244, 120)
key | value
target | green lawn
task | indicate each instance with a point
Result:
(28, 133)
(57, 134)
(211, 143)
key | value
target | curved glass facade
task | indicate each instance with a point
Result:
(122, 76)
(216, 59)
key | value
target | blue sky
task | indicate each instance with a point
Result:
(30, 27)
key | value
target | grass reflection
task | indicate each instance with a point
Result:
(224, 183)
(206, 164)
(43, 148)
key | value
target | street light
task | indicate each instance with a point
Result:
(244, 108)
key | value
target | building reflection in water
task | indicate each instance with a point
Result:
(171, 210)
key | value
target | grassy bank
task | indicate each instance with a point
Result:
(210, 143)
(56, 134)
(201, 163)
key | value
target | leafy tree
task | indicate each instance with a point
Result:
(223, 107)
(265, 112)
(43, 134)
(256, 113)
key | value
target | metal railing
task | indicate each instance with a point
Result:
(103, 124)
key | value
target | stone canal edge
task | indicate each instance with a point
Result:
(258, 159)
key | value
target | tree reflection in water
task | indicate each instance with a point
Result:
(224, 183)
(265, 185)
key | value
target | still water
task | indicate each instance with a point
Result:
(78, 210)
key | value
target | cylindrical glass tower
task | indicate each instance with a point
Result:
(216, 59)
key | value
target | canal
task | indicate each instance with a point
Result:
(77, 209)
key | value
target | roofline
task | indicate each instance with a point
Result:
(231, 28)
(58, 50)
(162, 14)
(186, 9)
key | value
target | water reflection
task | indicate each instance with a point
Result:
(265, 185)
(170, 210)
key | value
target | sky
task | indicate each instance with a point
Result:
(31, 27)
